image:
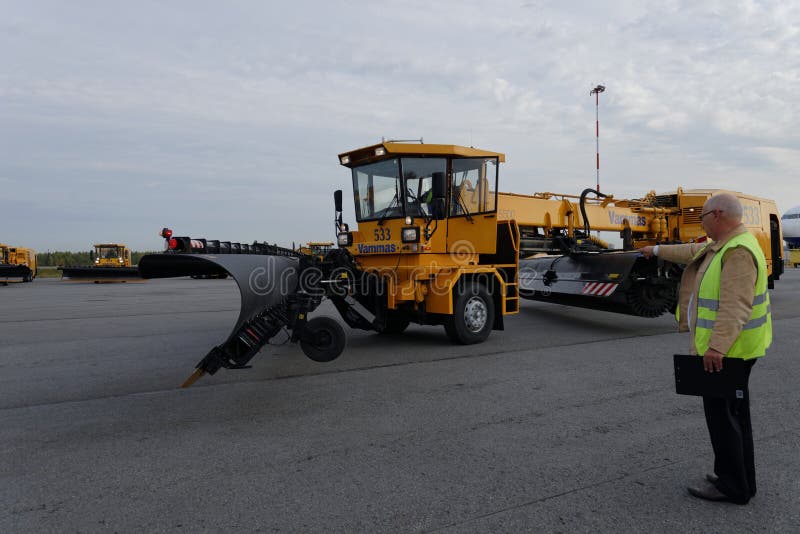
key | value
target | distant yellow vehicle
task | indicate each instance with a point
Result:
(111, 262)
(17, 262)
(317, 248)
(111, 255)
(794, 257)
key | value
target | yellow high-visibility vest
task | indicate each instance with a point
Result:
(756, 334)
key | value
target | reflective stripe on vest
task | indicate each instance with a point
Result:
(756, 334)
(749, 325)
(713, 304)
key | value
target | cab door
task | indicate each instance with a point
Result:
(472, 206)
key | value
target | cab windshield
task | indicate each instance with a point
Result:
(399, 187)
(395, 187)
(377, 190)
(107, 253)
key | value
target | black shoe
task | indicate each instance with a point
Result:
(708, 492)
(712, 477)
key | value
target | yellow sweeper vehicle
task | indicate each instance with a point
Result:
(111, 262)
(437, 244)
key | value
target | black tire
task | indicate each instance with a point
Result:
(473, 314)
(323, 339)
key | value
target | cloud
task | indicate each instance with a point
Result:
(226, 119)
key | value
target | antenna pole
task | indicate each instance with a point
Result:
(596, 92)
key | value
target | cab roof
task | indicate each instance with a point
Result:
(712, 192)
(373, 153)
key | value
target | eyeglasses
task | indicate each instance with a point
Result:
(709, 211)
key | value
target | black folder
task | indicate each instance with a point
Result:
(692, 379)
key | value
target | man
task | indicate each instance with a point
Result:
(724, 304)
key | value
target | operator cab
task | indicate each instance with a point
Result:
(110, 254)
(405, 181)
(394, 180)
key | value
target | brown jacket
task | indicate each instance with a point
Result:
(737, 288)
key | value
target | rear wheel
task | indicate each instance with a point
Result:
(323, 339)
(473, 314)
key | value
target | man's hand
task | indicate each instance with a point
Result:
(712, 361)
(647, 251)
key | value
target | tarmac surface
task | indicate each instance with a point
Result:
(565, 422)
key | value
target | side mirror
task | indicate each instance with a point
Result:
(337, 200)
(337, 203)
(439, 185)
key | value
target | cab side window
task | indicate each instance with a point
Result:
(473, 186)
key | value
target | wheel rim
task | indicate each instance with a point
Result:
(323, 340)
(475, 313)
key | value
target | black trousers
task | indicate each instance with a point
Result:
(732, 440)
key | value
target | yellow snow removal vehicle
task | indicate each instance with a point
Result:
(436, 244)
(111, 262)
(17, 263)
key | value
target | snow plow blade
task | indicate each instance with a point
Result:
(22, 272)
(279, 288)
(100, 274)
(620, 282)
(270, 303)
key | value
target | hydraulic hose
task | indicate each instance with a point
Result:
(583, 207)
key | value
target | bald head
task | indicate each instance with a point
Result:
(728, 204)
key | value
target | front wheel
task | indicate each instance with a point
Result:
(323, 339)
(473, 314)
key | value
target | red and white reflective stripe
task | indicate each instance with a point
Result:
(599, 289)
(196, 243)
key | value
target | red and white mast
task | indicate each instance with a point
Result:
(596, 92)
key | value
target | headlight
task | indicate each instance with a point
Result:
(344, 160)
(345, 239)
(411, 235)
(380, 151)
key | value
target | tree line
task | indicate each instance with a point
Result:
(65, 258)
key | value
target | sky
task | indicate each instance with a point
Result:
(224, 120)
